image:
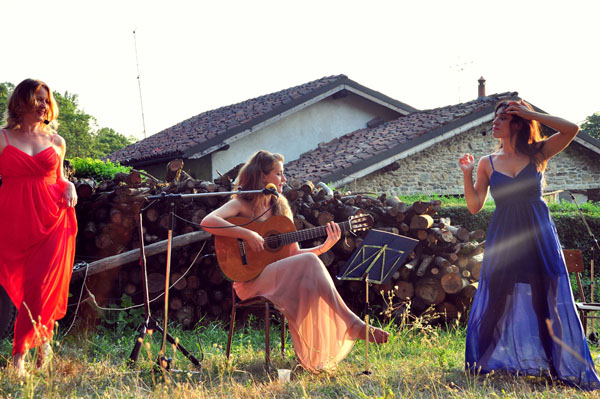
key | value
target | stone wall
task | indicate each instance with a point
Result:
(576, 168)
(435, 170)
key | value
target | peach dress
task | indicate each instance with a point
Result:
(322, 327)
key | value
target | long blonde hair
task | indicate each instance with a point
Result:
(250, 178)
(23, 99)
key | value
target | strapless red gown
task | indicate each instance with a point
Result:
(37, 243)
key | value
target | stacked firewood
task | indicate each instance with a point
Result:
(441, 274)
(439, 277)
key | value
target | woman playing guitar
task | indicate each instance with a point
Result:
(322, 327)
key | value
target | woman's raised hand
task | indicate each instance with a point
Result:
(467, 162)
(519, 109)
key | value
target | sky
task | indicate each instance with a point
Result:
(194, 56)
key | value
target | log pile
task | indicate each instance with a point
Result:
(439, 278)
(441, 274)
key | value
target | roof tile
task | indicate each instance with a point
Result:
(198, 129)
(361, 145)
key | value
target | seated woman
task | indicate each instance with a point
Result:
(322, 327)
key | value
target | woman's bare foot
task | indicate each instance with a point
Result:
(19, 365)
(44, 355)
(377, 335)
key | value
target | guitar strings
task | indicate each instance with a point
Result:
(281, 237)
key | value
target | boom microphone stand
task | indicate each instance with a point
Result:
(150, 323)
(593, 336)
(590, 233)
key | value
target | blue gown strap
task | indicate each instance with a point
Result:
(492, 162)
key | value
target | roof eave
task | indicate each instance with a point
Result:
(315, 96)
(589, 142)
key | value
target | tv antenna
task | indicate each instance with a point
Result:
(137, 64)
(459, 68)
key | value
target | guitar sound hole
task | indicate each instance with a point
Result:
(272, 243)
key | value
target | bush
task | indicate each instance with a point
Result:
(97, 169)
(570, 227)
(460, 216)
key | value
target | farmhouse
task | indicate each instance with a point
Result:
(419, 153)
(337, 131)
(291, 121)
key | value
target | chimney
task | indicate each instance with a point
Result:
(481, 88)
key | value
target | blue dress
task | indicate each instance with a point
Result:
(523, 284)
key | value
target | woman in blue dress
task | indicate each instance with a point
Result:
(523, 318)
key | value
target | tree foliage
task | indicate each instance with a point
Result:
(591, 125)
(5, 89)
(75, 126)
(107, 141)
(78, 128)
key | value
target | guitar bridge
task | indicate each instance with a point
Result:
(242, 248)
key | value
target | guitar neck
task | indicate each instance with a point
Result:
(307, 234)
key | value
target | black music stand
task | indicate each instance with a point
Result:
(379, 256)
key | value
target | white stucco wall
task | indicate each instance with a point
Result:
(304, 130)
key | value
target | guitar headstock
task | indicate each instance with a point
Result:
(360, 222)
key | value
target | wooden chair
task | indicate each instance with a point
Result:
(269, 309)
(574, 261)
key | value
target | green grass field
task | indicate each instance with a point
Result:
(419, 361)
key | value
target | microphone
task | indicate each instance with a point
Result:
(271, 189)
(484, 132)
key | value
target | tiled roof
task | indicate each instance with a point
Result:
(357, 150)
(209, 129)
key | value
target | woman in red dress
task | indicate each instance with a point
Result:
(38, 224)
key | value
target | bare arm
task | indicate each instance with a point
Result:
(215, 221)
(69, 191)
(475, 194)
(3, 142)
(215, 224)
(566, 131)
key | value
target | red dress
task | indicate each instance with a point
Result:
(37, 242)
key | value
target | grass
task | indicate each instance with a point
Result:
(420, 361)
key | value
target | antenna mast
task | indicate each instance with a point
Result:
(459, 68)
(137, 64)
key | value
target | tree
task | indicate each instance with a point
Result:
(107, 141)
(75, 126)
(78, 128)
(5, 89)
(591, 125)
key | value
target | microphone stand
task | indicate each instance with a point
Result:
(590, 233)
(150, 323)
(593, 336)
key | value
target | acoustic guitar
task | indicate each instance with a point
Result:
(239, 263)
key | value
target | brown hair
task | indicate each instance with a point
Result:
(250, 178)
(526, 135)
(23, 99)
